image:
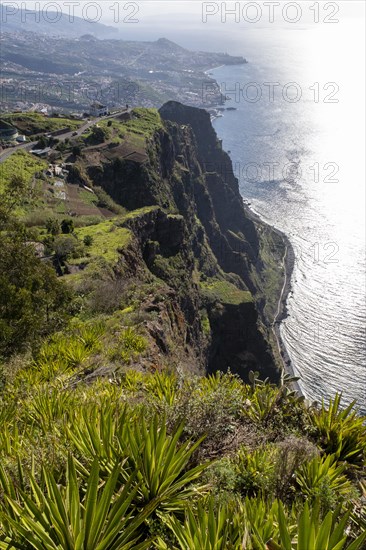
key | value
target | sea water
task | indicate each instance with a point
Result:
(297, 143)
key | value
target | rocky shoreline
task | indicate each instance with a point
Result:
(282, 313)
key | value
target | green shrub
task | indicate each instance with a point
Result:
(130, 345)
(88, 240)
(340, 431)
(66, 246)
(106, 201)
(33, 302)
(324, 479)
(53, 226)
(255, 471)
(68, 517)
(67, 226)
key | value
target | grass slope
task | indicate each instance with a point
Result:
(21, 164)
(107, 239)
(225, 292)
(36, 123)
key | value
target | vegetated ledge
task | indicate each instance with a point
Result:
(222, 270)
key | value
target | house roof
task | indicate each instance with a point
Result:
(98, 106)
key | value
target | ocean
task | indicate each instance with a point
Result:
(296, 139)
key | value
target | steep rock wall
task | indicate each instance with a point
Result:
(199, 232)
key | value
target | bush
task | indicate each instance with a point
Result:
(340, 431)
(324, 479)
(104, 456)
(53, 226)
(66, 246)
(212, 407)
(67, 226)
(255, 471)
(291, 454)
(106, 296)
(88, 240)
(130, 346)
(76, 151)
(98, 135)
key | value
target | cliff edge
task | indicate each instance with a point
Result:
(220, 269)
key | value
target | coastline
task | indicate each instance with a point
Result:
(225, 65)
(288, 263)
(212, 76)
(213, 69)
(288, 266)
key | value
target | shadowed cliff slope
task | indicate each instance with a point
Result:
(198, 238)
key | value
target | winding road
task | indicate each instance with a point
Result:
(74, 133)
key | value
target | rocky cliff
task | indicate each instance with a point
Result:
(218, 268)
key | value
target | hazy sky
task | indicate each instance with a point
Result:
(259, 13)
(213, 25)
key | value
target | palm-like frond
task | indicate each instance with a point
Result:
(206, 529)
(314, 533)
(161, 463)
(61, 517)
(159, 459)
(313, 474)
(162, 386)
(341, 431)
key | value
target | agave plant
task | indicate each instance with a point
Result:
(261, 523)
(90, 335)
(102, 518)
(341, 431)
(7, 410)
(97, 433)
(313, 533)
(209, 528)
(255, 470)
(313, 476)
(68, 351)
(159, 459)
(133, 380)
(130, 345)
(46, 406)
(161, 463)
(162, 386)
(218, 380)
(261, 403)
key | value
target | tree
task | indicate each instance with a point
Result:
(98, 134)
(33, 301)
(76, 151)
(42, 142)
(64, 247)
(53, 226)
(67, 226)
(15, 192)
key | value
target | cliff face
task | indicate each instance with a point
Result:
(197, 238)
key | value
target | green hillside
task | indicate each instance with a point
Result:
(124, 281)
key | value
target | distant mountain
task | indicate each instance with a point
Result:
(70, 72)
(17, 20)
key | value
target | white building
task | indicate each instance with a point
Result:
(97, 109)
